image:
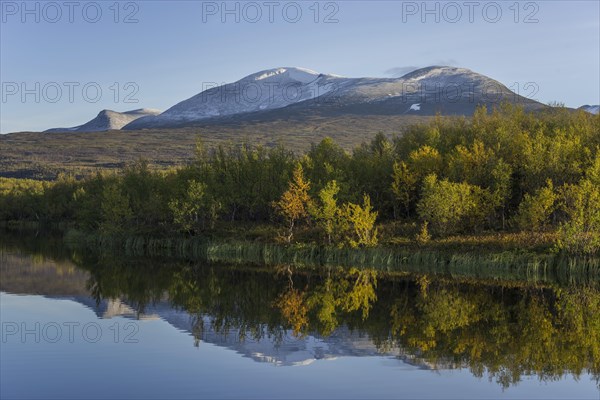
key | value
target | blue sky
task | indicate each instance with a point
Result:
(169, 50)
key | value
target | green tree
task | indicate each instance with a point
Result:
(361, 223)
(116, 211)
(147, 196)
(452, 207)
(471, 164)
(187, 210)
(88, 202)
(501, 187)
(535, 210)
(324, 162)
(404, 186)
(593, 172)
(426, 160)
(59, 204)
(326, 212)
(581, 233)
(371, 171)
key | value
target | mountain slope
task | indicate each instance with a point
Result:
(591, 109)
(264, 90)
(296, 93)
(289, 92)
(107, 120)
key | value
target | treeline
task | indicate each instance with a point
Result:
(501, 171)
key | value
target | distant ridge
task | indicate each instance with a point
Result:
(108, 120)
(591, 109)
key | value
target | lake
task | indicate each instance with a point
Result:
(76, 324)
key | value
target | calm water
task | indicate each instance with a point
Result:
(76, 325)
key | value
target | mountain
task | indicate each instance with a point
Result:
(591, 109)
(285, 350)
(107, 120)
(290, 92)
(265, 90)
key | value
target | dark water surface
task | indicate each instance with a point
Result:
(79, 325)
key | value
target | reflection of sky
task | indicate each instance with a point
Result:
(164, 364)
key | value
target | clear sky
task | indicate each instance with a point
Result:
(162, 52)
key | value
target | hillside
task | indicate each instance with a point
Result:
(107, 120)
(41, 156)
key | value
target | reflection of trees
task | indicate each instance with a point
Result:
(341, 291)
(294, 309)
(503, 331)
(506, 333)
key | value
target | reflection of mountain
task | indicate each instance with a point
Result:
(63, 280)
(113, 308)
(40, 275)
(502, 329)
(285, 350)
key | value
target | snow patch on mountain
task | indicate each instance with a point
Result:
(297, 74)
(439, 72)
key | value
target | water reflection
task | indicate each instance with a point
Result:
(289, 316)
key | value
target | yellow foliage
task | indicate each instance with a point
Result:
(294, 310)
(294, 203)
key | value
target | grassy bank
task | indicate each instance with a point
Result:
(505, 265)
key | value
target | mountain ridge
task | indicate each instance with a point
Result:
(108, 120)
(295, 92)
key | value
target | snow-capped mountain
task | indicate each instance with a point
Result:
(261, 91)
(591, 109)
(108, 120)
(291, 92)
(288, 91)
